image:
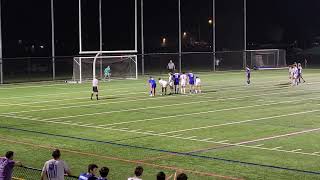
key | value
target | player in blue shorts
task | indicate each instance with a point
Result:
(191, 78)
(176, 81)
(248, 74)
(152, 85)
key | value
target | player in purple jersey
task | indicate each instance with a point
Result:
(6, 166)
(300, 73)
(248, 74)
(152, 85)
(176, 81)
(191, 78)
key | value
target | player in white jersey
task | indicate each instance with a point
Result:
(300, 73)
(138, 173)
(290, 73)
(164, 85)
(295, 75)
(198, 85)
(183, 80)
(95, 83)
(171, 82)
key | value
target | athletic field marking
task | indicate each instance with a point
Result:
(240, 122)
(296, 150)
(241, 144)
(223, 141)
(169, 105)
(245, 142)
(152, 107)
(190, 137)
(112, 95)
(280, 136)
(259, 145)
(279, 147)
(58, 94)
(124, 160)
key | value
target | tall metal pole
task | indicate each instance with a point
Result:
(179, 4)
(52, 42)
(142, 40)
(100, 24)
(135, 25)
(245, 32)
(80, 28)
(214, 33)
(1, 66)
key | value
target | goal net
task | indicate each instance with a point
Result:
(266, 58)
(121, 67)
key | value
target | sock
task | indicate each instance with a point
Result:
(97, 97)
(91, 95)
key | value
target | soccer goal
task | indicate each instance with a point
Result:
(266, 59)
(121, 67)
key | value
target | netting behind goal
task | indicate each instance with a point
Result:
(121, 67)
(266, 58)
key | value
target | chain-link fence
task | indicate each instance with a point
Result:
(28, 173)
(61, 68)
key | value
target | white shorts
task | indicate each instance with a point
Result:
(198, 83)
(171, 83)
(183, 83)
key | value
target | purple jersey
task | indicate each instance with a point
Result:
(191, 78)
(176, 77)
(152, 83)
(6, 167)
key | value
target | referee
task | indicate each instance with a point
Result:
(171, 67)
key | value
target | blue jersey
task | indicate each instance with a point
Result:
(85, 176)
(191, 78)
(176, 78)
(152, 83)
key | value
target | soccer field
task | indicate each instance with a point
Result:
(266, 130)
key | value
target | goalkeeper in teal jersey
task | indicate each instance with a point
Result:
(107, 73)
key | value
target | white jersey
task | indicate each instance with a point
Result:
(134, 178)
(295, 72)
(95, 82)
(55, 169)
(183, 79)
(163, 83)
(198, 81)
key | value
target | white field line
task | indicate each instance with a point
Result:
(28, 103)
(296, 150)
(135, 100)
(131, 93)
(170, 105)
(280, 136)
(188, 114)
(58, 94)
(240, 122)
(116, 102)
(175, 137)
(259, 145)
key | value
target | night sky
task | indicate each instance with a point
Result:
(28, 23)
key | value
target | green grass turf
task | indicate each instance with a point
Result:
(127, 128)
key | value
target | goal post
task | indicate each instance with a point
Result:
(266, 58)
(121, 67)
